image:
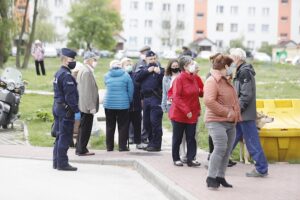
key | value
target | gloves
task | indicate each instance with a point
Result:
(77, 116)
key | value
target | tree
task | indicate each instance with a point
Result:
(237, 43)
(266, 48)
(6, 27)
(93, 23)
(45, 31)
(31, 36)
(21, 36)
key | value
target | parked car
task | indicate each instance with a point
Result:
(205, 54)
(50, 52)
(105, 54)
(132, 54)
(263, 57)
(296, 60)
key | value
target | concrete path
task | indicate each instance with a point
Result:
(35, 180)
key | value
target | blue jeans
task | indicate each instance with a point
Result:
(248, 131)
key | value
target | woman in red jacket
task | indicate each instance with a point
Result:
(184, 111)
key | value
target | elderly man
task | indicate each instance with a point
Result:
(88, 102)
(244, 83)
(64, 106)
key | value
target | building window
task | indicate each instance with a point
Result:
(284, 19)
(166, 7)
(219, 27)
(265, 11)
(148, 23)
(220, 9)
(200, 15)
(219, 43)
(250, 44)
(148, 6)
(166, 24)
(251, 11)
(285, 1)
(199, 32)
(180, 25)
(251, 27)
(147, 41)
(133, 41)
(180, 8)
(133, 23)
(165, 42)
(179, 42)
(233, 27)
(58, 3)
(234, 10)
(134, 5)
(265, 28)
(284, 35)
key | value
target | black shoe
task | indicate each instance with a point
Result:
(124, 149)
(153, 149)
(67, 168)
(231, 163)
(212, 183)
(193, 163)
(223, 182)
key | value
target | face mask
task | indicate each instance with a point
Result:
(229, 71)
(175, 70)
(72, 64)
(233, 65)
(192, 68)
(94, 64)
(128, 68)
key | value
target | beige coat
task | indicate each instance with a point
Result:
(87, 90)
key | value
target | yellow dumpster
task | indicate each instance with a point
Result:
(281, 138)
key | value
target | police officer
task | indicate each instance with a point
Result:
(150, 77)
(64, 106)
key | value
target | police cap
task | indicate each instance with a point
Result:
(150, 54)
(68, 53)
(145, 48)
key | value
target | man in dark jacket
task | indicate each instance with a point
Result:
(244, 83)
(150, 78)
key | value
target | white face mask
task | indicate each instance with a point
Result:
(94, 64)
(192, 68)
(128, 68)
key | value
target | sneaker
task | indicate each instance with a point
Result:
(255, 173)
(231, 163)
(193, 163)
(131, 141)
(141, 146)
(178, 163)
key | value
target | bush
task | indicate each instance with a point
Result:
(44, 116)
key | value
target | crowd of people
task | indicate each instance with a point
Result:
(137, 96)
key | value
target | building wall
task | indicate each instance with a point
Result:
(143, 26)
(200, 21)
(253, 20)
(284, 19)
(295, 21)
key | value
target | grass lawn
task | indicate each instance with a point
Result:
(273, 81)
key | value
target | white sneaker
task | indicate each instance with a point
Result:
(141, 146)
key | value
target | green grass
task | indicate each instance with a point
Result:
(273, 81)
(98, 142)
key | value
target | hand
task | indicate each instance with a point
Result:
(150, 69)
(157, 70)
(231, 114)
(93, 111)
(189, 115)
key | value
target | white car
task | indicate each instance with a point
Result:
(263, 57)
(50, 52)
(296, 60)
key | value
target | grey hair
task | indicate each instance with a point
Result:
(239, 53)
(183, 61)
(114, 63)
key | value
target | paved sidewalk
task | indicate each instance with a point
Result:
(283, 183)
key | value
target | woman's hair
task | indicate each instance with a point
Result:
(211, 58)
(183, 61)
(114, 63)
(239, 53)
(168, 69)
(220, 61)
(124, 60)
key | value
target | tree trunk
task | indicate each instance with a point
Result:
(31, 37)
(3, 25)
(21, 36)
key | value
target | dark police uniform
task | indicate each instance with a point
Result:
(151, 88)
(64, 106)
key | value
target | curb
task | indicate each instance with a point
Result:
(170, 189)
(26, 133)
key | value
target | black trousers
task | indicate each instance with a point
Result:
(37, 63)
(112, 118)
(135, 118)
(190, 131)
(85, 129)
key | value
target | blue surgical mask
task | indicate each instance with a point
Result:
(229, 71)
(233, 65)
(128, 68)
